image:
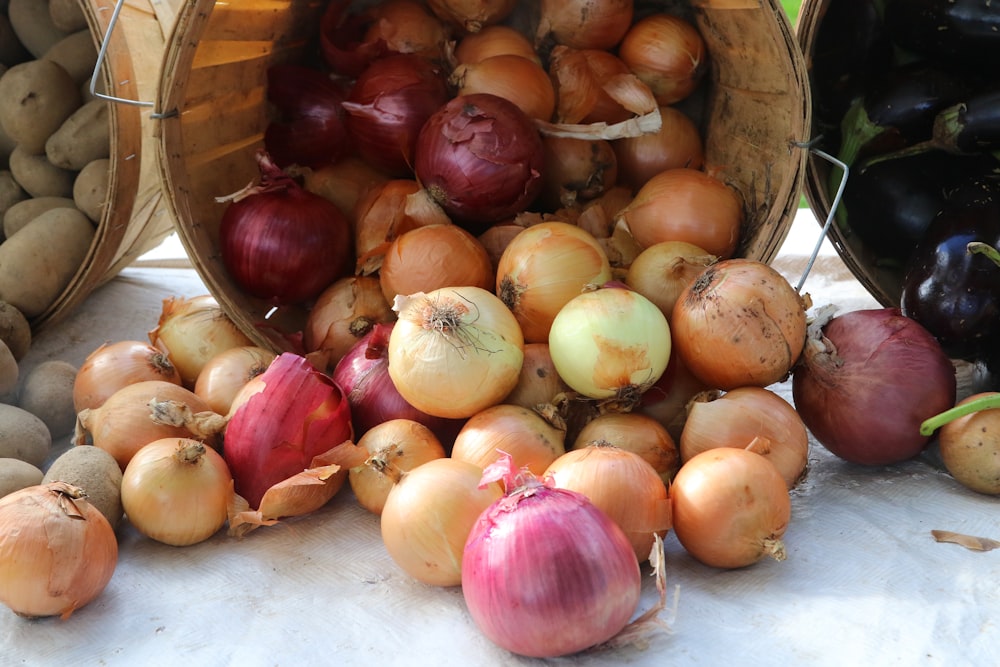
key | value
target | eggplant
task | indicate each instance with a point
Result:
(960, 32)
(954, 293)
(970, 126)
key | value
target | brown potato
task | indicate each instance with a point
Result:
(33, 25)
(35, 98)
(9, 372)
(10, 192)
(15, 330)
(91, 188)
(23, 212)
(38, 176)
(96, 472)
(76, 53)
(82, 138)
(38, 262)
(47, 393)
(67, 15)
(12, 51)
(16, 474)
(23, 436)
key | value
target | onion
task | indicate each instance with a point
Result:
(310, 128)
(433, 257)
(343, 183)
(192, 331)
(867, 381)
(394, 447)
(667, 399)
(531, 441)
(343, 314)
(545, 573)
(739, 323)
(576, 171)
(115, 365)
(539, 382)
(621, 484)
(177, 491)
(969, 441)
(57, 551)
(667, 53)
(363, 375)
(740, 416)
(224, 375)
(610, 343)
(585, 24)
(677, 144)
(494, 40)
(686, 205)
(595, 86)
(520, 80)
(472, 15)
(280, 242)
(662, 271)
(543, 268)
(481, 158)
(280, 421)
(428, 515)
(730, 508)
(454, 351)
(636, 433)
(388, 104)
(497, 238)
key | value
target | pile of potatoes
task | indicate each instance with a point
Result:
(54, 150)
(54, 162)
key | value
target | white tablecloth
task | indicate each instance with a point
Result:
(864, 582)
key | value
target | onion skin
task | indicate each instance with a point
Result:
(530, 440)
(667, 53)
(114, 365)
(864, 388)
(585, 24)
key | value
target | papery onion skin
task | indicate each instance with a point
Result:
(472, 15)
(341, 316)
(667, 53)
(865, 387)
(494, 40)
(113, 365)
(343, 183)
(454, 351)
(585, 24)
(530, 440)
(546, 574)
(739, 323)
(406, 26)
(581, 77)
(539, 382)
(223, 376)
(635, 432)
(523, 81)
(730, 508)
(662, 271)
(57, 551)
(481, 158)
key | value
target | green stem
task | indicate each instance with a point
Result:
(985, 402)
(985, 249)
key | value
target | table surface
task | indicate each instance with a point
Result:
(864, 583)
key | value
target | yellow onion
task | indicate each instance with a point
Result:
(472, 15)
(428, 515)
(454, 351)
(531, 440)
(192, 331)
(623, 485)
(114, 365)
(406, 26)
(637, 433)
(434, 257)
(667, 400)
(539, 382)
(494, 40)
(678, 143)
(497, 238)
(738, 417)
(543, 268)
(576, 171)
(224, 375)
(57, 551)
(177, 491)
(686, 205)
(596, 86)
(585, 24)
(662, 271)
(344, 182)
(667, 53)
(521, 80)
(343, 313)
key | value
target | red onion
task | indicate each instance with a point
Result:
(544, 572)
(310, 130)
(363, 374)
(282, 243)
(388, 104)
(280, 421)
(866, 382)
(342, 39)
(481, 158)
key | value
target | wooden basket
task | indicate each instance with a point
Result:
(136, 218)
(756, 109)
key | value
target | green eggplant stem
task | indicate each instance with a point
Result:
(987, 402)
(986, 249)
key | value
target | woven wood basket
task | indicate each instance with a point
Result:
(756, 115)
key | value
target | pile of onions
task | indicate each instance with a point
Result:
(343, 314)
(867, 381)
(531, 441)
(454, 351)
(282, 243)
(177, 491)
(667, 53)
(310, 129)
(739, 323)
(57, 551)
(544, 572)
(731, 508)
(543, 268)
(114, 365)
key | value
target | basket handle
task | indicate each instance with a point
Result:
(833, 209)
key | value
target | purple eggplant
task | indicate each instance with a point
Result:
(960, 32)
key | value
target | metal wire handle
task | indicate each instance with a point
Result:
(829, 218)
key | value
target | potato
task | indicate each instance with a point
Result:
(47, 393)
(38, 176)
(96, 472)
(67, 15)
(9, 372)
(15, 331)
(33, 25)
(6, 144)
(10, 191)
(35, 98)
(92, 187)
(84, 137)
(23, 212)
(38, 262)
(16, 474)
(23, 436)
(76, 53)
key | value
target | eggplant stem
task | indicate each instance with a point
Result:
(987, 402)
(986, 249)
